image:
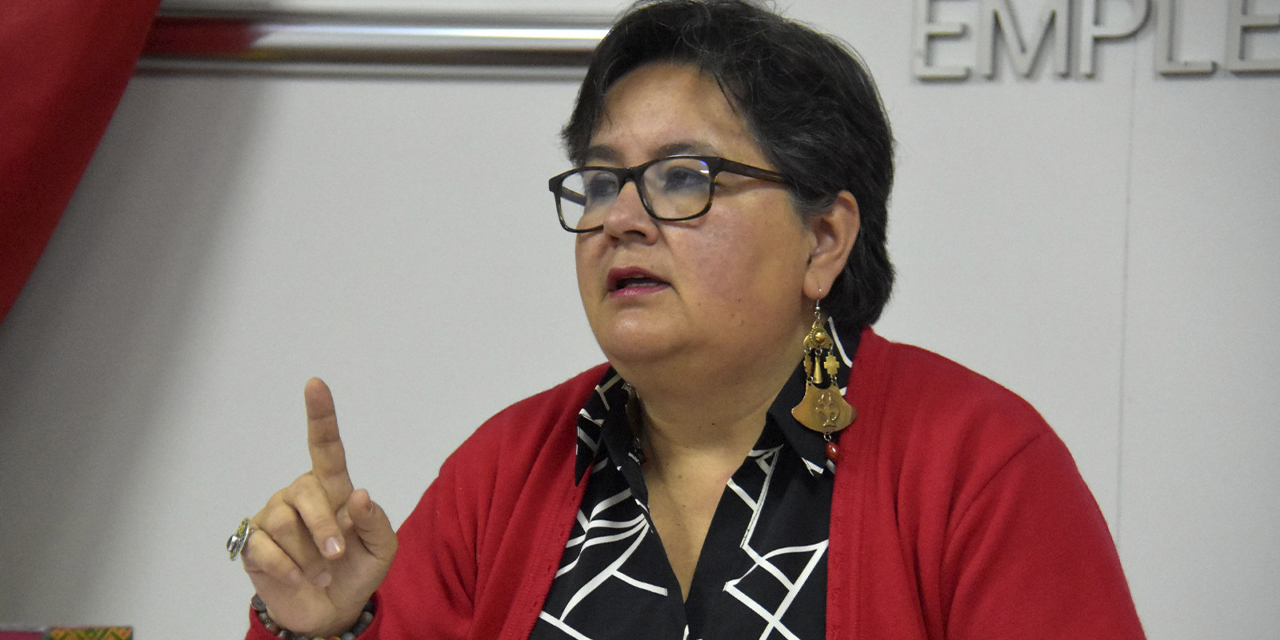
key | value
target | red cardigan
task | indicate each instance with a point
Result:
(958, 514)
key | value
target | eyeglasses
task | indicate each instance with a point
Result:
(674, 188)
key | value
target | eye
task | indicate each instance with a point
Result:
(684, 176)
(599, 187)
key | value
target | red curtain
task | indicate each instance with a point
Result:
(63, 66)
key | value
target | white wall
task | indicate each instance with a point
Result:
(1104, 247)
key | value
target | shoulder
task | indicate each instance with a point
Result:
(1003, 537)
(498, 500)
(929, 421)
(530, 443)
(910, 389)
(522, 430)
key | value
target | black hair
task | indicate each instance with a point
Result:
(807, 99)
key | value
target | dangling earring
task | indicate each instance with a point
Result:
(822, 409)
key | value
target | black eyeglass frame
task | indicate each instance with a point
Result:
(715, 166)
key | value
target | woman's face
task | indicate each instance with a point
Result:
(722, 290)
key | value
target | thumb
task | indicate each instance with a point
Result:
(372, 525)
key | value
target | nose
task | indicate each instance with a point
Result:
(627, 217)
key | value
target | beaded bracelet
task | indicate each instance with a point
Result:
(361, 624)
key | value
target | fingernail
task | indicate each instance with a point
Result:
(295, 576)
(322, 580)
(332, 547)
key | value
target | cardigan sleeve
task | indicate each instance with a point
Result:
(963, 516)
(431, 584)
(1030, 556)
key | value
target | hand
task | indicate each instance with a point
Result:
(320, 548)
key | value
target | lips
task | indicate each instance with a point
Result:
(633, 279)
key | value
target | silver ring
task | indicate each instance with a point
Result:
(237, 541)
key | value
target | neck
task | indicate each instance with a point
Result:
(698, 411)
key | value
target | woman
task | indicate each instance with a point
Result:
(729, 205)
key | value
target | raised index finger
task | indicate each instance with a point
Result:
(328, 458)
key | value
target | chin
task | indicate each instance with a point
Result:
(628, 344)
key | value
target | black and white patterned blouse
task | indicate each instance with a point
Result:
(762, 572)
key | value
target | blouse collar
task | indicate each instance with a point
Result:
(604, 427)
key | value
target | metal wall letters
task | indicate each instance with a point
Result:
(998, 24)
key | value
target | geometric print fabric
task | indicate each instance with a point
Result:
(762, 569)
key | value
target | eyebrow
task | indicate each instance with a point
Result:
(603, 153)
(600, 153)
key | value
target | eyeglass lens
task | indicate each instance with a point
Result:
(673, 188)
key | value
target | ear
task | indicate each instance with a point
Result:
(832, 235)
